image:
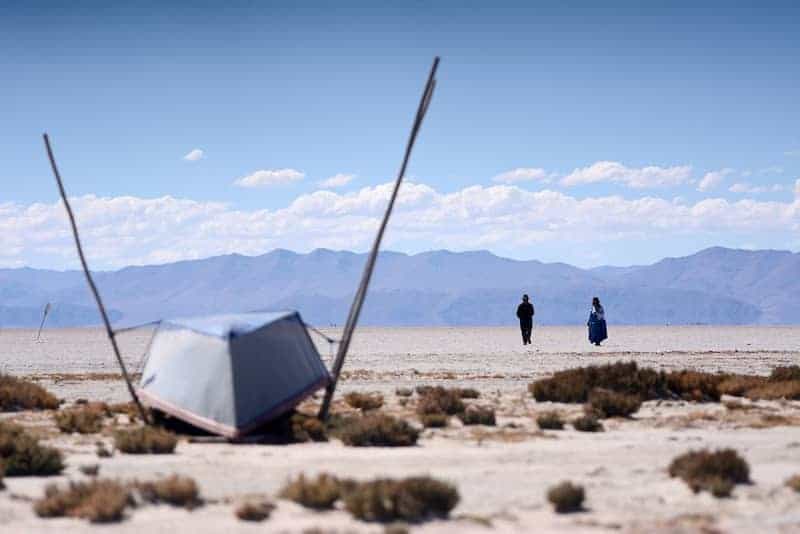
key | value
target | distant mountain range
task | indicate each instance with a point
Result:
(714, 286)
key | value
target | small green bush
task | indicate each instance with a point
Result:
(550, 421)
(145, 440)
(318, 494)
(98, 501)
(22, 455)
(566, 497)
(255, 511)
(377, 430)
(716, 472)
(411, 499)
(478, 415)
(587, 423)
(364, 401)
(17, 394)
(434, 420)
(607, 403)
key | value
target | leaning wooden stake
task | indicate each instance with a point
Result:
(358, 300)
(90, 281)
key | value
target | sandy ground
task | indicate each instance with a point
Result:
(502, 472)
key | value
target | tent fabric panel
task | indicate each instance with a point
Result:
(224, 325)
(193, 372)
(274, 366)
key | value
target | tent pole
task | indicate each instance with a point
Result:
(361, 293)
(90, 281)
(44, 318)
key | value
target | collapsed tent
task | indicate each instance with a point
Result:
(229, 374)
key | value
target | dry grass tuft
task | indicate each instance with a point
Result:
(550, 421)
(587, 423)
(255, 511)
(788, 389)
(468, 393)
(739, 385)
(17, 394)
(478, 415)
(145, 440)
(319, 494)
(376, 430)
(411, 499)
(22, 455)
(175, 490)
(794, 483)
(102, 451)
(566, 497)
(403, 392)
(434, 420)
(607, 403)
(98, 501)
(87, 419)
(785, 373)
(364, 401)
(439, 400)
(716, 472)
(90, 470)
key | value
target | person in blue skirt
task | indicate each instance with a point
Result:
(598, 331)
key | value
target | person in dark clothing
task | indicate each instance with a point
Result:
(525, 314)
(598, 331)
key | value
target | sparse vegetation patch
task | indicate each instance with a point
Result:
(550, 421)
(716, 472)
(376, 430)
(478, 415)
(255, 511)
(411, 499)
(86, 419)
(17, 394)
(587, 423)
(794, 483)
(175, 490)
(434, 420)
(145, 440)
(364, 401)
(319, 493)
(98, 501)
(566, 497)
(607, 403)
(439, 400)
(22, 455)
(403, 392)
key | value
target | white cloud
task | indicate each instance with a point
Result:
(337, 180)
(771, 170)
(270, 177)
(712, 179)
(639, 178)
(194, 155)
(797, 188)
(741, 187)
(521, 175)
(119, 231)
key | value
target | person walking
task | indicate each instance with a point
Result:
(598, 331)
(525, 313)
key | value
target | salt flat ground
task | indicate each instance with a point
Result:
(502, 473)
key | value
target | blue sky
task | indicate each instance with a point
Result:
(643, 101)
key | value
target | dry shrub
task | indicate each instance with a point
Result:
(99, 501)
(90, 470)
(101, 450)
(319, 494)
(716, 472)
(439, 400)
(468, 393)
(364, 401)
(22, 455)
(789, 389)
(17, 394)
(478, 415)
(739, 385)
(377, 430)
(587, 423)
(566, 497)
(434, 420)
(87, 419)
(175, 490)
(2, 472)
(794, 483)
(550, 421)
(403, 392)
(254, 511)
(574, 385)
(607, 403)
(785, 373)
(307, 428)
(145, 440)
(125, 408)
(410, 499)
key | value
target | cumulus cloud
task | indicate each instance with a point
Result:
(337, 180)
(743, 187)
(639, 178)
(264, 178)
(521, 175)
(711, 180)
(119, 231)
(194, 155)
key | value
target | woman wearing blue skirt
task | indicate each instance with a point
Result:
(597, 323)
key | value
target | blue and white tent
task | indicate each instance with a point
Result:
(229, 374)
